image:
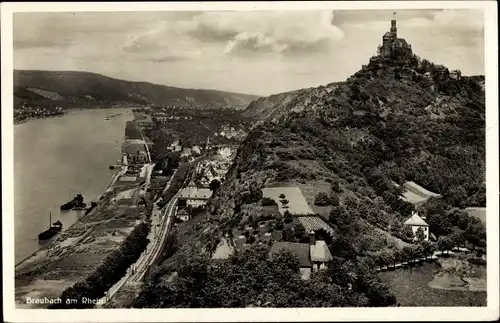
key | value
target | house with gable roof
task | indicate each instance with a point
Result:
(312, 256)
(416, 222)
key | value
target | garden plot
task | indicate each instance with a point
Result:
(297, 204)
(313, 223)
(415, 193)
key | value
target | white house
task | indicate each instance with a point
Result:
(416, 222)
(182, 214)
(195, 196)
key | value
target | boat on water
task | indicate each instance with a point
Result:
(75, 204)
(53, 229)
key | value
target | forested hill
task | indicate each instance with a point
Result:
(395, 120)
(83, 89)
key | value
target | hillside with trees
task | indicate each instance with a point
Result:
(397, 119)
(72, 89)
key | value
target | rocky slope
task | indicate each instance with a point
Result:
(273, 107)
(83, 89)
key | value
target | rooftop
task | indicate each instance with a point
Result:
(300, 249)
(320, 252)
(415, 219)
(196, 193)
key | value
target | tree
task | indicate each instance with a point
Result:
(420, 235)
(439, 224)
(458, 195)
(282, 196)
(300, 233)
(336, 186)
(408, 233)
(386, 258)
(418, 251)
(340, 218)
(214, 185)
(444, 244)
(288, 217)
(266, 201)
(323, 199)
(427, 248)
(287, 235)
(285, 203)
(407, 255)
(458, 238)
(475, 232)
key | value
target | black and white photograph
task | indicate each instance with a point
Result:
(256, 157)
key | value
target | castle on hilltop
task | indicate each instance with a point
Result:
(393, 46)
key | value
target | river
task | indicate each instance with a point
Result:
(57, 158)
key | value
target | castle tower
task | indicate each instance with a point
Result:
(394, 29)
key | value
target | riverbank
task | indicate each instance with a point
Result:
(16, 122)
(76, 253)
(108, 189)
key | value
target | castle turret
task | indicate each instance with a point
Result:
(394, 29)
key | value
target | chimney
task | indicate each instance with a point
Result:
(312, 238)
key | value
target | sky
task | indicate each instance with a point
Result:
(254, 52)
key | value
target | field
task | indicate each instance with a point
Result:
(297, 203)
(478, 212)
(413, 289)
(416, 194)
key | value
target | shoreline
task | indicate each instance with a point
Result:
(115, 178)
(44, 117)
(66, 111)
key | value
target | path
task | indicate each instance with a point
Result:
(434, 256)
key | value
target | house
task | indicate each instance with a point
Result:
(195, 196)
(299, 249)
(313, 256)
(319, 253)
(182, 214)
(175, 146)
(416, 222)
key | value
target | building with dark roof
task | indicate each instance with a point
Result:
(312, 256)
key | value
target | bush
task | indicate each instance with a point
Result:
(324, 199)
(266, 201)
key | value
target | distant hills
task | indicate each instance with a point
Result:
(72, 89)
